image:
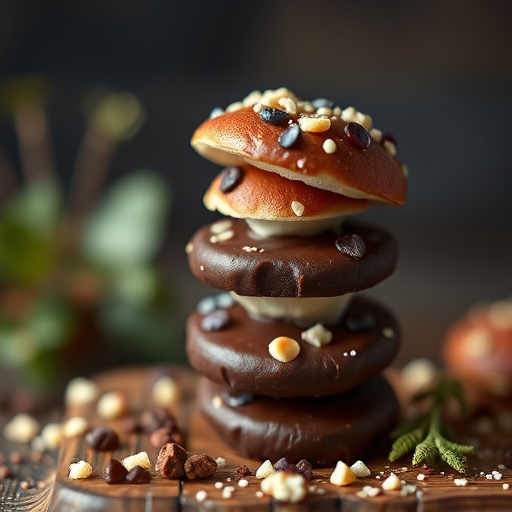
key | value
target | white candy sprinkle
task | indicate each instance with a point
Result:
(353, 353)
(221, 462)
(460, 482)
(421, 476)
(329, 146)
(506, 487)
(222, 237)
(243, 482)
(259, 494)
(219, 485)
(217, 402)
(301, 162)
(201, 496)
(317, 335)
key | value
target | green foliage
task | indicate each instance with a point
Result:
(423, 434)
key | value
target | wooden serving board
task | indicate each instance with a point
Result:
(437, 492)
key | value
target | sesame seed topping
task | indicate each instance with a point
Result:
(252, 98)
(329, 146)
(298, 208)
(220, 226)
(222, 237)
(324, 111)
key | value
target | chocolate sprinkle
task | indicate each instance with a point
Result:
(351, 245)
(215, 321)
(289, 136)
(357, 135)
(231, 177)
(274, 115)
(238, 399)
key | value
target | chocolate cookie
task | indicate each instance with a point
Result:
(321, 430)
(320, 266)
(235, 352)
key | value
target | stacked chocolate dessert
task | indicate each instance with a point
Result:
(291, 360)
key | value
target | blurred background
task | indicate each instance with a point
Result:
(93, 93)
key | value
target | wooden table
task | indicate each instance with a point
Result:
(54, 491)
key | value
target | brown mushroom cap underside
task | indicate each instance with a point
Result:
(241, 137)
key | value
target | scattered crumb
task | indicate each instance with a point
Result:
(81, 469)
(221, 462)
(506, 487)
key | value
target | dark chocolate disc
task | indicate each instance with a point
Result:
(292, 266)
(321, 430)
(238, 357)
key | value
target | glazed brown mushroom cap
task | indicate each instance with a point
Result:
(478, 348)
(268, 196)
(241, 136)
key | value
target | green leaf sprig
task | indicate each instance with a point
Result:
(425, 433)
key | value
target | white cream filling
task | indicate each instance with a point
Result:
(312, 227)
(302, 310)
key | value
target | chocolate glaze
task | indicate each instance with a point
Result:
(321, 430)
(292, 266)
(238, 356)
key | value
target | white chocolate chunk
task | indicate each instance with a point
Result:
(360, 469)
(22, 428)
(81, 469)
(166, 392)
(318, 336)
(266, 469)
(392, 483)
(75, 426)
(139, 459)
(342, 475)
(80, 391)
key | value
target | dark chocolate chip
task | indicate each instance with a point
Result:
(357, 135)
(290, 136)
(231, 178)
(165, 435)
(352, 245)
(155, 418)
(322, 103)
(274, 115)
(130, 425)
(138, 475)
(281, 464)
(306, 469)
(115, 472)
(102, 439)
(360, 321)
(237, 400)
(215, 321)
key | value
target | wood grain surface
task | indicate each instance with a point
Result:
(437, 492)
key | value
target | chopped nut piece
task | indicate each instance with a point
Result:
(171, 461)
(266, 469)
(314, 124)
(317, 335)
(166, 392)
(139, 459)
(298, 208)
(22, 428)
(284, 349)
(342, 475)
(51, 435)
(220, 226)
(284, 486)
(376, 134)
(112, 405)
(81, 391)
(288, 104)
(392, 483)
(237, 105)
(79, 470)
(390, 147)
(360, 469)
(252, 98)
(200, 466)
(75, 426)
